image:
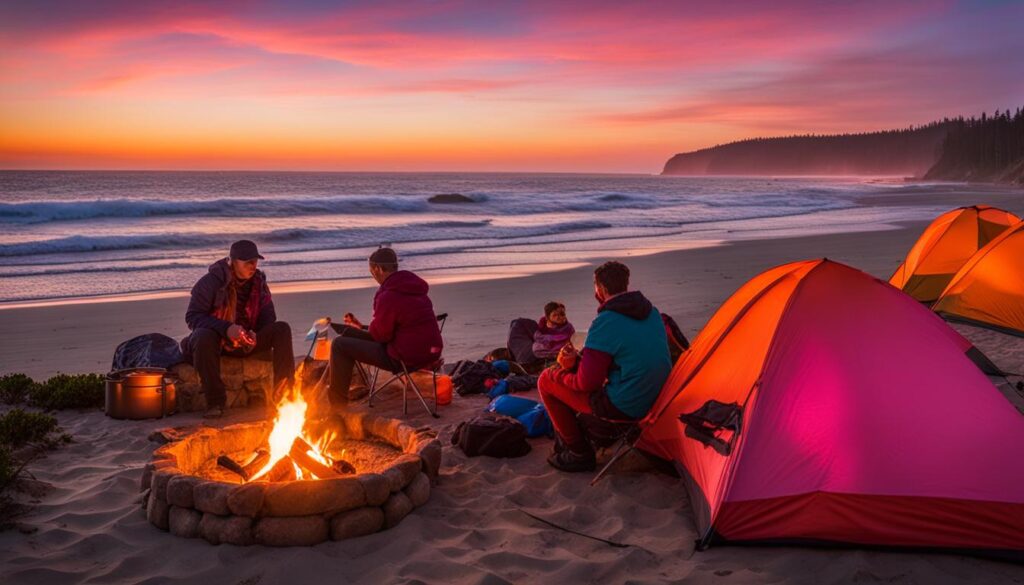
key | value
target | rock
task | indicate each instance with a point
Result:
(190, 397)
(246, 380)
(377, 488)
(147, 473)
(160, 479)
(396, 481)
(168, 435)
(226, 529)
(166, 452)
(246, 499)
(430, 452)
(179, 490)
(302, 498)
(451, 198)
(157, 511)
(419, 490)
(184, 522)
(294, 531)
(404, 436)
(359, 522)
(383, 428)
(143, 500)
(212, 497)
(397, 507)
(408, 465)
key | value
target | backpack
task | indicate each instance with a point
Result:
(677, 342)
(469, 376)
(153, 350)
(520, 340)
(494, 436)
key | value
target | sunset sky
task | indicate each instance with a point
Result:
(512, 86)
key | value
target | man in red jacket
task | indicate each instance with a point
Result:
(403, 329)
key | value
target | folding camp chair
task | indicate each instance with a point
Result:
(403, 375)
(606, 432)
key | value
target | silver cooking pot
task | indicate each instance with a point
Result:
(139, 393)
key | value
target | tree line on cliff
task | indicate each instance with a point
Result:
(989, 148)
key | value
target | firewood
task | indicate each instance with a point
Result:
(228, 463)
(257, 463)
(283, 470)
(298, 453)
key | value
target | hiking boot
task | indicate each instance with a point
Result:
(571, 461)
(214, 412)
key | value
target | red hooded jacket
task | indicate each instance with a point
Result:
(403, 318)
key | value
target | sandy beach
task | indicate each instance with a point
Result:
(87, 528)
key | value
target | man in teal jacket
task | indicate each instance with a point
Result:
(624, 363)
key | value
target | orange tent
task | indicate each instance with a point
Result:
(989, 289)
(821, 405)
(945, 246)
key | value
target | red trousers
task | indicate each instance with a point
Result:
(562, 404)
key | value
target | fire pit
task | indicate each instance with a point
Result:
(292, 482)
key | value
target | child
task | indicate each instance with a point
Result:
(553, 331)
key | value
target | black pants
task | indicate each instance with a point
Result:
(351, 346)
(205, 351)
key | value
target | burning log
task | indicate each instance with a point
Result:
(283, 470)
(257, 463)
(230, 464)
(299, 453)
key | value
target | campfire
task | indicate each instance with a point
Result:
(296, 481)
(291, 454)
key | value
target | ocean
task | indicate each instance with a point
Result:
(66, 235)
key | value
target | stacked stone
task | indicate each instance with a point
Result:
(293, 513)
(247, 381)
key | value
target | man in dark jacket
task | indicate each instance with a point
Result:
(403, 329)
(231, 312)
(624, 363)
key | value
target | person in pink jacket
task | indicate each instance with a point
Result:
(403, 329)
(553, 331)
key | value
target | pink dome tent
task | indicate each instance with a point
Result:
(822, 405)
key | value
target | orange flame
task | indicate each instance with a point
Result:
(289, 424)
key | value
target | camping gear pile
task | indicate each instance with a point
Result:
(492, 378)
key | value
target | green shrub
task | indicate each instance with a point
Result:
(69, 391)
(18, 428)
(15, 388)
(8, 467)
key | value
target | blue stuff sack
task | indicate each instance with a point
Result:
(513, 406)
(537, 422)
(502, 366)
(531, 413)
(499, 389)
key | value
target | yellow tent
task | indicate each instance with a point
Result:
(989, 289)
(945, 246)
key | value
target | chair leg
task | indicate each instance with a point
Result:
(405, 390)
(410, 385)
(621, 451)
(434, 372)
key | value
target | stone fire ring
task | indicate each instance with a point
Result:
(291, 513)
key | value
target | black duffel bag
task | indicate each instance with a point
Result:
(491, 435)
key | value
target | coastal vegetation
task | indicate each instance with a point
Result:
(988, 148)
